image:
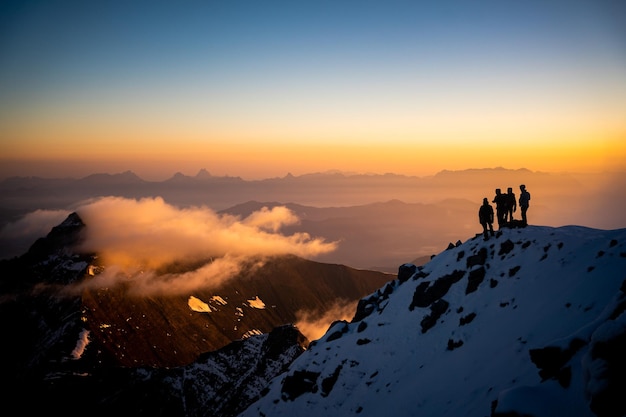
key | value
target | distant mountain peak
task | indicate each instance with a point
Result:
(203, 173)
(124, 177)
(483, 170)
(179, 174)
(128, 174)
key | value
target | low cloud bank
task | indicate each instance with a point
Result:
(147, 282)
(314, 324)
(16, 237)
(137, 240)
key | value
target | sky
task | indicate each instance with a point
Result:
(261, 89)
(556, 288)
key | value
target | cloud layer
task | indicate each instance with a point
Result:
(314, 324)
(137, 240)
(16, 237)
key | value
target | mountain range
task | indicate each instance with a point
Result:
(23, 194)
(378, 220)
(530, 322)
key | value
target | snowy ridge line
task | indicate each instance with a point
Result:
(466, 333)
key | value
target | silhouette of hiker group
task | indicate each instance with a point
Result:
(506, 205)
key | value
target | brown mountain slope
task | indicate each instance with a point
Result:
(170, 331)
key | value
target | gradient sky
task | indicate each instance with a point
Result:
(262, 88)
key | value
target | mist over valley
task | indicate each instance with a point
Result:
(375, 221)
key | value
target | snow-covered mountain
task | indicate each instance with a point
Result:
(531, 322)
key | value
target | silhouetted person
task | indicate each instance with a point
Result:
(500, 200)
(511, 205)
(524, 202)
(485, 217)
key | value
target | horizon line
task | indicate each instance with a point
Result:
(204, 173)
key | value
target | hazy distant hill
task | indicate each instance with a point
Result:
(21, 194)
(437, 209)
(379, 235)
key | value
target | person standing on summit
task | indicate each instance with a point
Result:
(511, 205)
(485, 217)
(500, 200)
(524, 202)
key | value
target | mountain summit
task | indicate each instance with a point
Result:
(529, 323)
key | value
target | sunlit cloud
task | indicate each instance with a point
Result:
(271, 220)
(137, 240)
(147, 282)
(314, 324)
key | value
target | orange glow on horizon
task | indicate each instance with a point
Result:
(255, 160)
(261, 150)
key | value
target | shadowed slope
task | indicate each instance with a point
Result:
(166, 331)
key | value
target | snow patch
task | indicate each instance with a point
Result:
(81, 344)
(219, 300)
(93, 270)
(256, 302)
(534, 401)
(250, 333)
(198, 305)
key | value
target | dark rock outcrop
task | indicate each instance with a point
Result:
(427, 293)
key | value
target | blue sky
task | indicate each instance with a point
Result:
(65, 43)
(205, 74)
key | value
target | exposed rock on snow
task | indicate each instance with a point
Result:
(529, 323)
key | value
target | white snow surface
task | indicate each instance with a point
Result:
(218, 300)
(257, 303)
(198, 305)
(81, 344)
(566, 286)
